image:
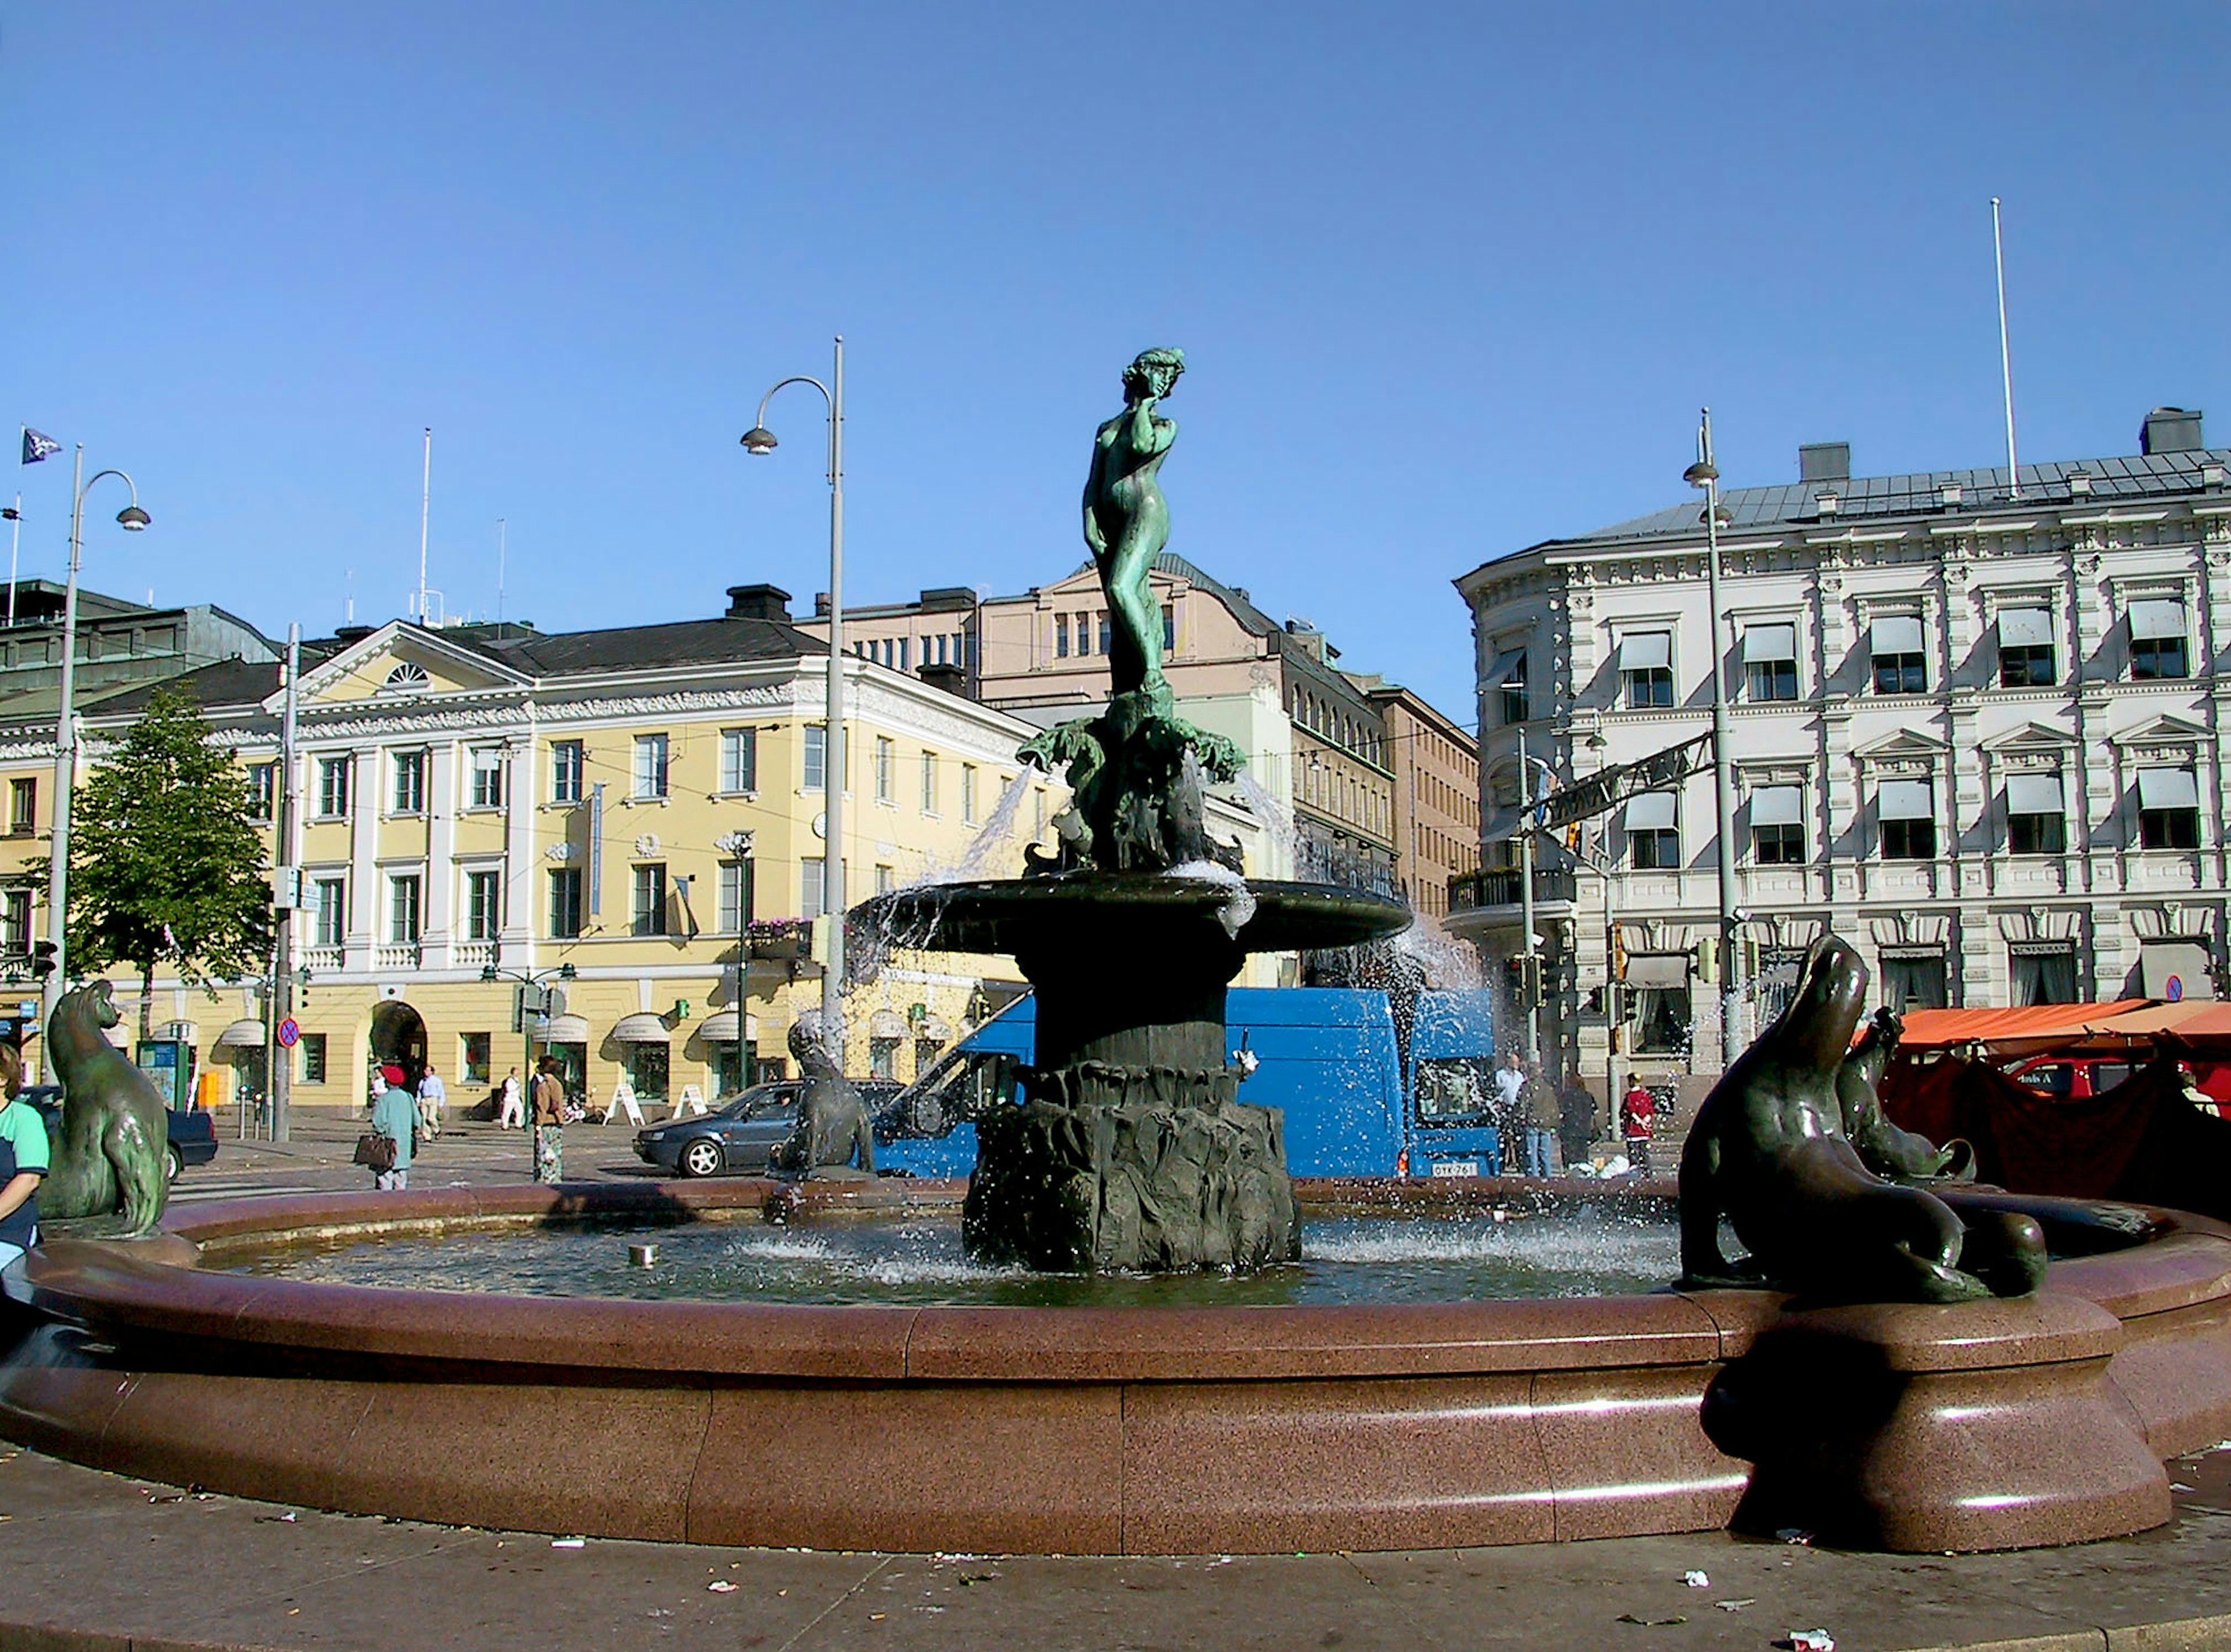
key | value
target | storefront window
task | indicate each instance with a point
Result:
(646, 1070)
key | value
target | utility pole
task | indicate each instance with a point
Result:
(1530, 967)
(289, 881)
(1705, 475)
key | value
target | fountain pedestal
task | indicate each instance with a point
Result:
(1132, 1151)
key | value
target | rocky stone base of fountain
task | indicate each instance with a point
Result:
(1108, 1169)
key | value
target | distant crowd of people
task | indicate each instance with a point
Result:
(409, 1111)
(1546, 1122)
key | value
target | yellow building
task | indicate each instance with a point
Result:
(642, 804)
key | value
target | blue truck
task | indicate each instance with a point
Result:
(1359, 1098)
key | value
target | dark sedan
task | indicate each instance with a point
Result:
(741, 1134)
(192, 1135)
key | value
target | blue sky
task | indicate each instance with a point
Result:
(1451, 279)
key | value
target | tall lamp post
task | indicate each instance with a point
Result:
(132, 519)
(1705, 475)
(760, 440)
(536, 981)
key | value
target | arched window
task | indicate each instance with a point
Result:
(404, 678)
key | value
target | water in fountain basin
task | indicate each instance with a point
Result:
(919, 1260)
(1238, 904)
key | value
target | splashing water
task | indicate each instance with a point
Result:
(976, 861)
(1277, 820)
(1449, 965)
(1238, 904)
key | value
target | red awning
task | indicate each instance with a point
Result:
(2036, 1025)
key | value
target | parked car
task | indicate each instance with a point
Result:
(192, 1135)
(740, 1132)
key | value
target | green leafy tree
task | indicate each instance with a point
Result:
(164, 862)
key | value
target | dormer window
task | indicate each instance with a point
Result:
(406, 678)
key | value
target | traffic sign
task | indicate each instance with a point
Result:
(2176, 988)
(290, 1031)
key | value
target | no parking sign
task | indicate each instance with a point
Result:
(290, 1031)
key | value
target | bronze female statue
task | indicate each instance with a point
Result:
(1126, 522)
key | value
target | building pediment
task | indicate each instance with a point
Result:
(2030, 737)
(1899, 745)
(2164, 729)
(400, 661)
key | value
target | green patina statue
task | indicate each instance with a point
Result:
(107, 1146)
(1136, 772)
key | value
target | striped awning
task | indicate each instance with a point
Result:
(722, 1029)
(642, 1028)
(247, 1033)
(566, 1029)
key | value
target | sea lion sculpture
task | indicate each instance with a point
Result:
(1767, 1150)
(833, 1126)
(1894, 1154)
(107, 1144)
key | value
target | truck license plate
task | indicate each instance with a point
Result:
(1456, 1167)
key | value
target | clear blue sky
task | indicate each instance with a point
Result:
(1452, 279)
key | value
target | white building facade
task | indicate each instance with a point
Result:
(1975, 731)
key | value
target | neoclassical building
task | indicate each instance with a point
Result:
(1975, 730)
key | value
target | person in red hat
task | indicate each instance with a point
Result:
(395, 1116)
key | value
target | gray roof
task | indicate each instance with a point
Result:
(2135, 476)
(1169, 562)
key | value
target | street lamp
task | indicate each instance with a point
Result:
(759, 441)
(535, 981)
(1705, 475)
(132, 519)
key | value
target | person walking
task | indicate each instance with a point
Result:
(1540, 1099)
(433, 1096)
(511, 1109)
(549, 1123)
(1509, 1118)
(395, 1116)
(1637, 1118)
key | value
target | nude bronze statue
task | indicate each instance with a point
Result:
(1769, 1152)
(107, 1146)
(1126, 521)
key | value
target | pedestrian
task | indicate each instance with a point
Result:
(396, 1117)
(1540, 1099)
(1638, 1117)
(549, 1123)
(511, 1111)
(433, 1096)
(23, 1161)
(1509, 1116)
(1576, 1122)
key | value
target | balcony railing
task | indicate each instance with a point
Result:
(396, 955)
(474, 954)
(1498, 886)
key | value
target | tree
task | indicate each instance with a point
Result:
(164, 862)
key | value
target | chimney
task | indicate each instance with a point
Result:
(949, 677)
(2171, 430)
(758, 603)
(821, 604)
(1824, 462)
(948, 599)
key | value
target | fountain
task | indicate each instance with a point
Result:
(1899, 1361)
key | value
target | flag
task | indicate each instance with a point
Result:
(38, 447)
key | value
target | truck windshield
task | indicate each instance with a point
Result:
(1454, 1091)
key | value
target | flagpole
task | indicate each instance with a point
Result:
(426, 507)
(15, 545)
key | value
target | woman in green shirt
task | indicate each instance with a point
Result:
(23, 1162)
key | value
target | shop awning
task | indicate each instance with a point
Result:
(566, 1030)
(642, 1028)
(885, 1024)
(2034, 1024)
(1658, 969)
(247, 1033)
(722, 1029)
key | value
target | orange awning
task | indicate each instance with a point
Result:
(2034, 1023)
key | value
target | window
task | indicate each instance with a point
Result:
(2036, 815)
(408, 795)
(1653, 839)
(1103, 633)
(739, 759)
(650, 766)
(2158, 640)
(1169, 628)
(883, 1057)
(1512, 682)
(567, 764)
(2169, 809)
(650, 899)
(332, 787)
(886, 765)
(1913, 980)
(1907, 812)
(887, 879)
(329, 900)
(1645, 668)
(16, 922)
(812, 880)
(929, 782)
(2026, 649)
(403, 908)
(735, 896)
(816, 758)
(968, 793)
(1901, 666)
(405, 677)
(487, 790)
(23, 807)
(262, 797)
(483, 904)
(2042, 971)
(1770, 661)
(565, 903)
(1777, 825)
(647, 1070)
(472, 1050)
(1061, 636)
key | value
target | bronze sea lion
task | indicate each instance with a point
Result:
(1767, 1150)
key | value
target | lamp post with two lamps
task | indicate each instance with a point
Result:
(132, 519)
(1705, 475)
(758, 440)
(536, 981)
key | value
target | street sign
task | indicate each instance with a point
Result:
(2176, 988)
(290, 1033)
(1607, 789)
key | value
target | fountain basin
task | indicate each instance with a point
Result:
(1155, 1430)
